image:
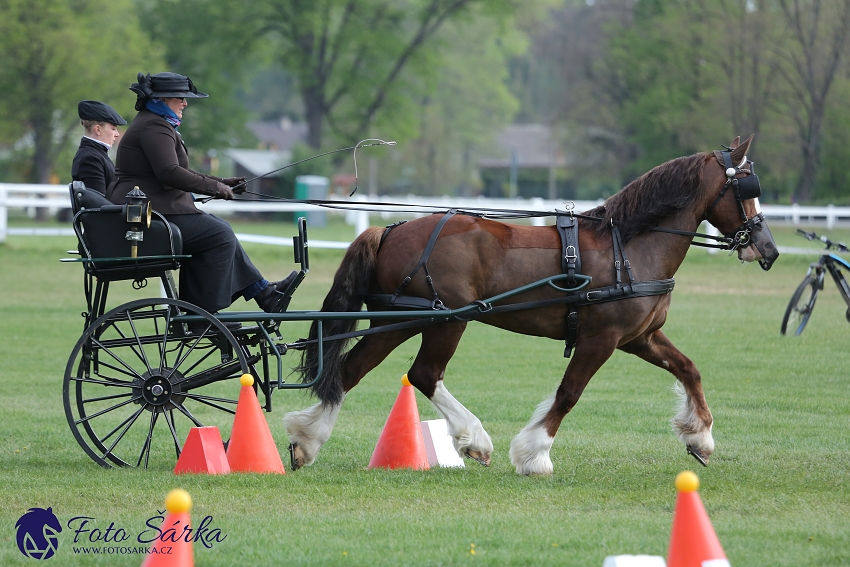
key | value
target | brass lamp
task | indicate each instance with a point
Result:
(138, 211)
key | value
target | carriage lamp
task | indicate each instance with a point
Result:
(138, 211)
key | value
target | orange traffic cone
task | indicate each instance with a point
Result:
(173, 551)
(251, 447)
(693, 542)
(401, 445)
(203, 452)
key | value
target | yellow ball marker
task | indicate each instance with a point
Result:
(178, 500)
(405, 381)
(246, 380)
(686, 481)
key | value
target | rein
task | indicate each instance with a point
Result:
(728, 243)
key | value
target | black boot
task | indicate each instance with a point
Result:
(267, 299)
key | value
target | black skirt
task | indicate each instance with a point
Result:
(219, 268)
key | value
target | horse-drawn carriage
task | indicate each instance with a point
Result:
(145, 372)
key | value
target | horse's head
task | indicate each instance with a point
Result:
(734, 205)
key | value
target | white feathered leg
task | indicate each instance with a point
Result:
(690, 428)
(308, 430)
(467, 433)
(530, 448)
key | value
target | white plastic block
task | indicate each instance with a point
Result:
(634, 561)
(438, 444)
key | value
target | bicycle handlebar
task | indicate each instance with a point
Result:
(840, 246)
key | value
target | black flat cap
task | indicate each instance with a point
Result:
(99, 112)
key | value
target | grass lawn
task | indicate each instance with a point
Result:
(777, 489)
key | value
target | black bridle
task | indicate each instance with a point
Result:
(743, 188)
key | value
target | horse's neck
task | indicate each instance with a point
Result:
(658, 255)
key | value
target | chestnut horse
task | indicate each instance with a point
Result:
(476, 258)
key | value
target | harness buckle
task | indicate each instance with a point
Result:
(589, 295)
(568, 256)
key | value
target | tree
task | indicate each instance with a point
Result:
(55, 53)
(818, 38)
(456, 117)
(356, 60)
(205, 40)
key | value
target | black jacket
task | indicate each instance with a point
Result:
(152, 157)
(92, 166)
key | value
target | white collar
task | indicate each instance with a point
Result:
(107, 146)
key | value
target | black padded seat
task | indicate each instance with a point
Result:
(101, 231)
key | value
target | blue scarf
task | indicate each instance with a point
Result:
(158, 106)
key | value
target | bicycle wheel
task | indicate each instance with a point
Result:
(800, 307)
(137, 381)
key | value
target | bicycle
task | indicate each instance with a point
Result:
(803, 301)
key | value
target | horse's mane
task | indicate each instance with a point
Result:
(661, 192)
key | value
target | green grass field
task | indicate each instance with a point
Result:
(777, 489)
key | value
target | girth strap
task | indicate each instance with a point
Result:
(435, 302)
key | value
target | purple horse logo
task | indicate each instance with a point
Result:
(38, 533)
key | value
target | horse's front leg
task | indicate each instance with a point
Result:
(693, 421)
(311, 428)
(530, 448)
(438, 346)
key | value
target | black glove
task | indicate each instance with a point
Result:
(222, 191)
(233, 181)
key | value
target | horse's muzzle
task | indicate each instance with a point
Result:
(762, 240)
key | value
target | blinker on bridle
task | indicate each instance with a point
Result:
(744, 188)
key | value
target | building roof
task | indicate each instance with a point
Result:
(278, 135)
(258, 162)
(530, 145)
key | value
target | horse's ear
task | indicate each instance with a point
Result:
(735, 143)
(739, 152)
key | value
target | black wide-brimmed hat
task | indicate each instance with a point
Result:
(165, 85)
(97, 111)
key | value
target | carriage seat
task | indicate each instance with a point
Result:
(101, 231)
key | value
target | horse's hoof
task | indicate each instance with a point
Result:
(698, 455)
(296, 456)
(479, 457)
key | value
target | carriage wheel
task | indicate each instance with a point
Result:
(800, 307)
(137, 381)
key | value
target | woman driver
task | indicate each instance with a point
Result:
(153, 157)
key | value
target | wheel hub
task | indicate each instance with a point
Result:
(160, 389)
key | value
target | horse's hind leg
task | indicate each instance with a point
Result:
(530, 448)
(693, 421)
(310, 428)
(438, 346)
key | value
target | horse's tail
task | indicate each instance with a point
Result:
(350, 285)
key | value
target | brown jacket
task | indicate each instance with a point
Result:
(152, 157)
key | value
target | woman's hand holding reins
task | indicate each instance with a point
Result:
(223, 191)
(237, 183)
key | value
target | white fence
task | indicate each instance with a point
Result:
(55, 197)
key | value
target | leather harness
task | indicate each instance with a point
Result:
(567, 225)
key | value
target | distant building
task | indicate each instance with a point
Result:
(278, 135)
(524, 162)
(253, 163)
